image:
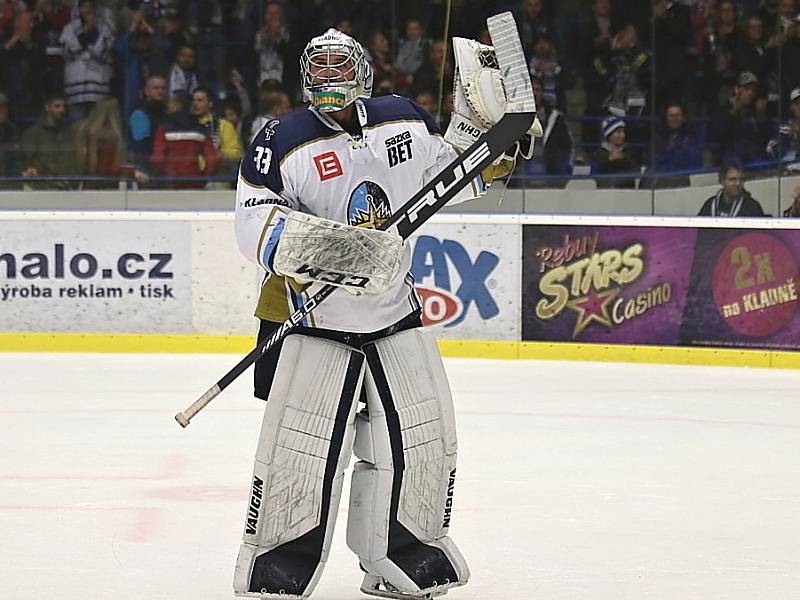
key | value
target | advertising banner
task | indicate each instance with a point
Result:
(467, 275)
(90, 276)
(125, 275)
(744, 290)
(661, 286)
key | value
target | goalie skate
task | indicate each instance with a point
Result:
(380, 588)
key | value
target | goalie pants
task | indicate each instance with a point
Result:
(265, 367)
(402, 486)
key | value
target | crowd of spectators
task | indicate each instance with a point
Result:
(169, 93)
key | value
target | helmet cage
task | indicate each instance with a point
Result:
(334, 71)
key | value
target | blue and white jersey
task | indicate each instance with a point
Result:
(305, 161)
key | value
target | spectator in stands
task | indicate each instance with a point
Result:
(738, 129)
(533, 23)
(232, 113)
(272, 104)
(427, 102)
(625, 70)
(777, 15)
(22, 64)
(243, 19)
(614, 157)
(222, 132)
(50, 18)
(732, 200)
(379, 57)
(676, 143)
(177, 104)
(787, 14)
(204, 21)
(779, 28)
(785, 146)
(789, 61)
(751, 54)
(410, 53)
(87, 42)
(544, 65)
(48, 146)
(101, 147)
(171, 37)
(727, 19)
(594, 39)
(144, 121)
(673, 33)
(552, 154)
(240, 94)
(714, 44)
(10, 149)
(430, 74)
(794, 209)
(277, 53)
(593, 42)
(181, 149)
(134, 52)
(676, 149)
(182, 78)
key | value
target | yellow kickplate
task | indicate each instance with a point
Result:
(242, 344)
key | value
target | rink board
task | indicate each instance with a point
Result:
(673, 290)
(181, 273)
(664, 286)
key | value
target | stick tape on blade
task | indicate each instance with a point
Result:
(511, 59)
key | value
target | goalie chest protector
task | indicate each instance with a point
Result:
(305, 161)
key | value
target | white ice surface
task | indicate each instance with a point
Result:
(576, 481)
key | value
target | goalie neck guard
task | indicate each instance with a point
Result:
(334, 71)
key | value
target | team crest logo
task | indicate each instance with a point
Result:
(368, 206)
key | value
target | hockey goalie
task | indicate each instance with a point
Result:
(360, 375)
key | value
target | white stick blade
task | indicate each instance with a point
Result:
(513, 67)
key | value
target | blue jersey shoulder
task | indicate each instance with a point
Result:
(394, 108)
(289, 131)
(261, 163)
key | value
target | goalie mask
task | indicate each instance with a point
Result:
(334, 71)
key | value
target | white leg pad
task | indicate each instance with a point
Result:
(362, 447)
(401, 499)
(305, 445)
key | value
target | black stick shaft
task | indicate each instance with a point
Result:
(408, 218)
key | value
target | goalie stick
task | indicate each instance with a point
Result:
(519, 116)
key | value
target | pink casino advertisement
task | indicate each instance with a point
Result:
(680, 286)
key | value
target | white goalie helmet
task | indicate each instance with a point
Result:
(334, 71)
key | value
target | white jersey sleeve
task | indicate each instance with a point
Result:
(262, 200)
(441, 154)
(445, 154)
